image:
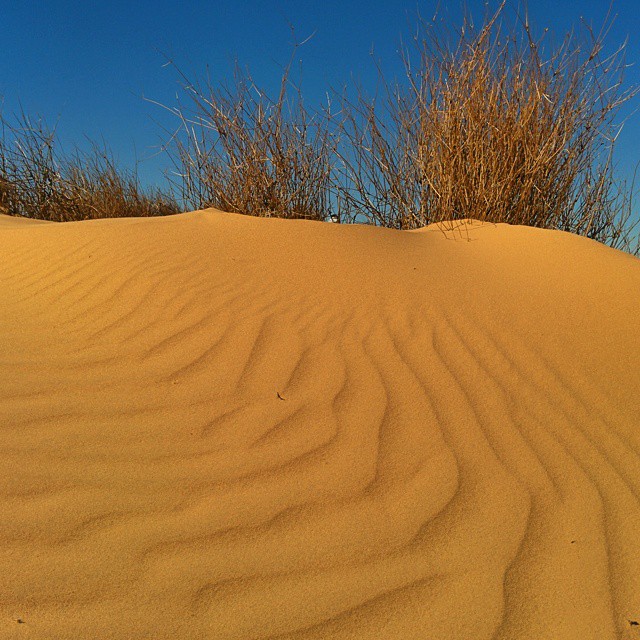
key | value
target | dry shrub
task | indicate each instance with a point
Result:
(38, 181)
(243, 151)
(5, 195)
(497, 126)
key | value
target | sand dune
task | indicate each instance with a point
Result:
(223, 427)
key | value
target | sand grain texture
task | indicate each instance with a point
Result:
(223, 427)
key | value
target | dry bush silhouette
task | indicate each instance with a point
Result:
(496, 126)
(38, 181)
(241, 150)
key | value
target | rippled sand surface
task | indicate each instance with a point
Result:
(221, 427)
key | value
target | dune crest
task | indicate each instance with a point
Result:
(217, 426)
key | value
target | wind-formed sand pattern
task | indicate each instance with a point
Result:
(223, 427)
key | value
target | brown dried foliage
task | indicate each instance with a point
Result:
(38, 181)
(498, 127)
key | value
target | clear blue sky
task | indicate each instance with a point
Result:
(86, 65)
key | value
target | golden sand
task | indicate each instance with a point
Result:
(224, 427)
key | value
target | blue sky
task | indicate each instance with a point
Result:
(87, 65)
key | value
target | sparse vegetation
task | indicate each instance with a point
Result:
(493, 125)
(490, 123)
(243, 151)
(38, 181)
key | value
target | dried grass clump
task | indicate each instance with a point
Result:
(242, 151)
(5, 195)
(497, 126)
(38, 181)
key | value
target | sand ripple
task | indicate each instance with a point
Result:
(228, 428)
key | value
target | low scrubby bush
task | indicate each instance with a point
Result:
(243, 151)
(38, 181)
(495, 125)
